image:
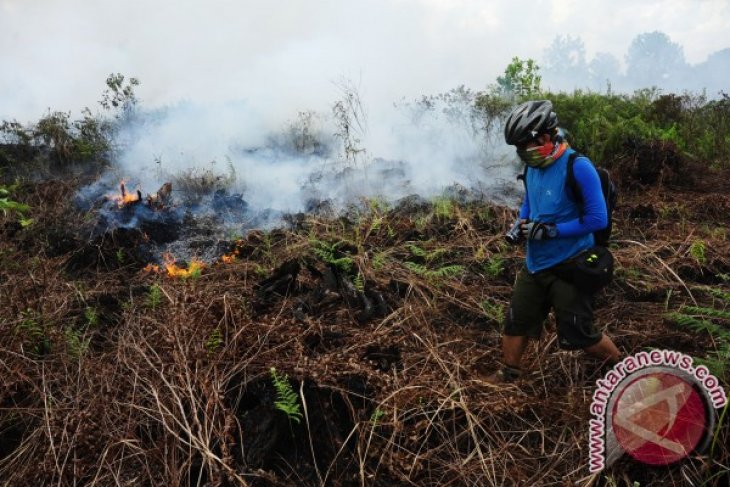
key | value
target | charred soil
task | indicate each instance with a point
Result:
(116, 375)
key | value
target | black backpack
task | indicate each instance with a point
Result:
(610, 195)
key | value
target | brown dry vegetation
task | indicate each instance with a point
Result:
(114, 376)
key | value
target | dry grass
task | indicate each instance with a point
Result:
(175, 390)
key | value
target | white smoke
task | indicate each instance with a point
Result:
(403, 149)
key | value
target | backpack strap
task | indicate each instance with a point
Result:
(523, 177)
(571, 183)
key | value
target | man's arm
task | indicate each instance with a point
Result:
(525, 208)
(595, 216)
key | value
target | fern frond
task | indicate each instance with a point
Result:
(699, 324)
(447, 271)
(287, 400)
(359, 283)
(719, 294)
(715, 313)
(419, 269)
(416, 250)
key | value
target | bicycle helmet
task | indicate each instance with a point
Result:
(529, 120)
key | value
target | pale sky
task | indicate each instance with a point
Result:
(286, 54)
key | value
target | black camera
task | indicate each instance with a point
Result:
(514, 234)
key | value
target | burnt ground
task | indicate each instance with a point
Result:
(113, 375)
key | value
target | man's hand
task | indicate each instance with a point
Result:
(538, 230)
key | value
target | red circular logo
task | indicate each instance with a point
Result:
(659, 418)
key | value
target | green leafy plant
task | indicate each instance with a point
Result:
(520, 79)
(328, 253)
(714, 321)
(359, 283)
(8, 206)
(32, 331)
(428, 256)
(119, 95)
(287, 400)
(697, 251)
(494, 267)
(379, 260)
(154, 296)
(494, 311)
(376, 416)
(214, 340)
(434, 274)
(443, 208)
(91, 317)
(76, 344)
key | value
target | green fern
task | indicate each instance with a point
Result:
(91, 316)
(493, 311)
(154, 296)
(714, 322)
(359, 283)
(76, 344)
(214, 340)
(697, 251)
(715, 313)
(443, 208)
(719, 294)
(447, 271)
(428, 256)
(416, 250)
(287, 400)
(695, 323)
(419, 269)
(327, 253)
(440, 273)
(379, 260)
(376, 223)
(32, 331)
(494, 267)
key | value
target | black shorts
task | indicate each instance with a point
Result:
(533, 296)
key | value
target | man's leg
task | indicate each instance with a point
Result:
(512, 349)
(527, 311)
(576, 329)
(605, 350)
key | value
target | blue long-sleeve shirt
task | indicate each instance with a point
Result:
(595, 215)
(549, 200)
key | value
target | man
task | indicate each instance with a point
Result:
(556, 229)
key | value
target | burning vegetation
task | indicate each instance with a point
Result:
(373, 323)
(337, 349)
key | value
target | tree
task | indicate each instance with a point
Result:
(712, 74)
(654, 60)
(565, 63)
(520, 80)
(603, 70)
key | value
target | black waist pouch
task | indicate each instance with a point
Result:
(590, 271)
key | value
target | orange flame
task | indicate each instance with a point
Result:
(229, 258)
(194, 268)
(125, 198)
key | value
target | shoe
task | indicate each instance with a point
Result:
(505, 375)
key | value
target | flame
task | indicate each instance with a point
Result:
(171, 269)
(229, 258)
(125, 198)
(194, 268)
